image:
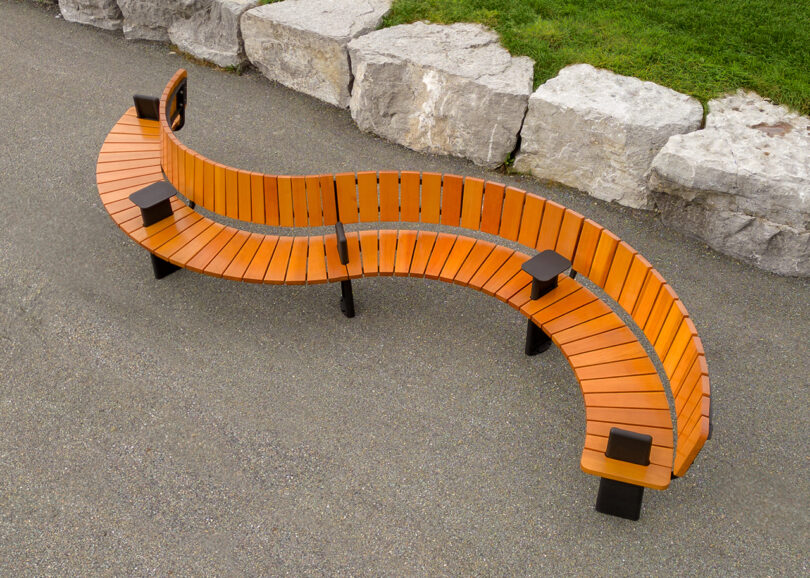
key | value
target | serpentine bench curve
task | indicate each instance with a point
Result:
(629, 438)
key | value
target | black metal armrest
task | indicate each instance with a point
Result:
(147, 107)
(154, 201)
(544, 269)
(342, 243)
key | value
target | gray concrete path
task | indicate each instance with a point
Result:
(197, 426)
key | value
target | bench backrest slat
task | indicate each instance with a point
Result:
(345, 184)
(570, 229)
(389, 196)
(530, 220)
(472, 199)
(492, 207)
(431, 197)
(512, 212)
(550, 226)
(409, 196)
(452, 187)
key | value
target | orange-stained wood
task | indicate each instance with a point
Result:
(458, 254)
(261, 260)
(664, 302)
(431, 197)
(634, 283)
(231, 193)
(285, 202)
(183, 255)
(205, 255)
(517, 283)
(630, 350)
(329, 200)
(208, 186)
(569, 234)
(490, 266)
(530, 221)
(335, 270)
(473, 262)
(368, 251)
(670, 328)
(603, 257)
(550, 226)
(389, 196)
(299, 195)
(277, 269)
(617, 369)
(471, 203)
(297, 268)
(493, 205)
(619, 268)
(347, 197)
(316, 261)
(586, 247)
(236, 270)
(388, 252)
(441, 250)
(257, 198)
(421, 252)
(223, 259)
(512, 211)
(409, 196)
(593, 343)
(406, 241)
(505, 273)
(245, 202)
(220, 206)
(596, 326)
(271, 208)
(367, 188)
(647, 382)
(451, 200)
(314, 201)
(355, 267)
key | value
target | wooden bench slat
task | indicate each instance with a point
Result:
(592, 310)
(299, 196)
(256, 184)
(461, 249)
(647, 382)
(151, 129)
(208, 184)
(688, 451)
(619, 268)
(602, 259)
(231, 193)
(512, 211)
(514, 285)
(630, 417)
(670, 328)
(329, 200)
(238, 266)
(335, 270)
(550, 226)
(660, 311)
(244, 200)
(184, 254)
(389, 196)
(569, 234)
(206, 254)
(409, 196)
(565, 287)
(133, 138)
(596, 326)
(542, 311)
(367, 191)
(475, 258)
(143, 180)
(646, 299)
(503, 275)
(406, 242)
(285, 201)
(421, 252)
(277, 269)
(493, 205)
(628, 400)
(355, 266)
(662, 436)
(530, 220)
(314, 200)
(520, 298)
(272, 209)
(652, 476)
(388, 252)
(223, 259)
(297, 268)
(639, 366)
(452, 186)
(441, 250)
(111, 157)
(122, 147)
(591, 343)
(431, 197)
(346, 188)
(197, 186)
(103, 168)
(316, 261)
(368, 250)
(153, 242)
(128, 173)
(627, 350)
(471, 203)
(497, 257)
(138, 235)
(261, 260)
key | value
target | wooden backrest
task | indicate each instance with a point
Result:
(470, 203)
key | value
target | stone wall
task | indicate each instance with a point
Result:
(741, 184)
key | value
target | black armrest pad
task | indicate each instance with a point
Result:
(154, 194)
(343, 245)
(147, 107)
(546, 266)
(629, 446)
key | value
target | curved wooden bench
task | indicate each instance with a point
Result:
(623, 393)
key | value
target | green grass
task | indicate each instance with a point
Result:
(705, 48)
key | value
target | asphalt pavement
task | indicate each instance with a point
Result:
(195, 426)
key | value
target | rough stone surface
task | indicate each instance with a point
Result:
(100, 13)
(742, 184)
(211, 30)
(302, 43)
(598, 131)
(441, 89)
(150, 19)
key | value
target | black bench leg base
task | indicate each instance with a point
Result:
(162, 268)
(346, 299)
(536, 340)
(619, 499)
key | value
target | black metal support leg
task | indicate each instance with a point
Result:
(619, 499)
(536, 340)
(162, 268)
(346, 299)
